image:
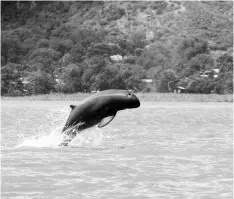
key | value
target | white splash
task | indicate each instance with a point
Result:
(88, 137)
(51, 140)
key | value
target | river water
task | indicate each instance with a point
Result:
(160, 150)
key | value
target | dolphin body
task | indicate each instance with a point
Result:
(100, 108)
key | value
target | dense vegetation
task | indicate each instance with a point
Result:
(69, 46)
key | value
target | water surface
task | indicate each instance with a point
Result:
(160, 150)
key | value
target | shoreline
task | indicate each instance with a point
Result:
(143, 97)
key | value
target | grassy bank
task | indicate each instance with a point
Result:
(144, 97)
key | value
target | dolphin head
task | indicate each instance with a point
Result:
(119, 99)
(125, 99)
(131, 100)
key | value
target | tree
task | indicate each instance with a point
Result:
(200, 85)
(224, 82)
(157, 55)
(191, 56)
(138, 39)
(138, 52)
(40, 82)
(63, 31)
(62, 46)
(87, 37)
(166, 77)
(189, 48)
(44, 59)
(78, 52)
(113, 12)
(71, 78)
(96, 63)
(10, 49)
(11, 83)
(225, 63)
(88, 79)
(106, 49)
(193, 66)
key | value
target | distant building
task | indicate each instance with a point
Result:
(94, 91)
(214, 73)
(59, 81)
(24, 80)
(217, 70)
(150, 84)
(183, 85)
(147, 80)
(179, 89)
(173, 87)
(116, 58)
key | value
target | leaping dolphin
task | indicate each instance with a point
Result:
(100, 108)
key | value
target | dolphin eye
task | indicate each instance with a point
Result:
(129, 94)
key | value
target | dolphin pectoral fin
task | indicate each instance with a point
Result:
(106, 120)
(72, 106)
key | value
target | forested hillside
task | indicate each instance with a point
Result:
(68, 47)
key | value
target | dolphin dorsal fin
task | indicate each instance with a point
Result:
(72, 106)
(106, 120)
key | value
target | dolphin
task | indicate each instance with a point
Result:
(100, 108)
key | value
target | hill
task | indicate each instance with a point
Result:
(64, 46)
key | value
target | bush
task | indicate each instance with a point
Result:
(159, 6)
(200, 85)
(45, 52)
(43, 43)
(21, 33)
(138, 52)
(113, 12)
(196, 84)
(63, 31)
(14, 92)
(103, 22)
(141, 5)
